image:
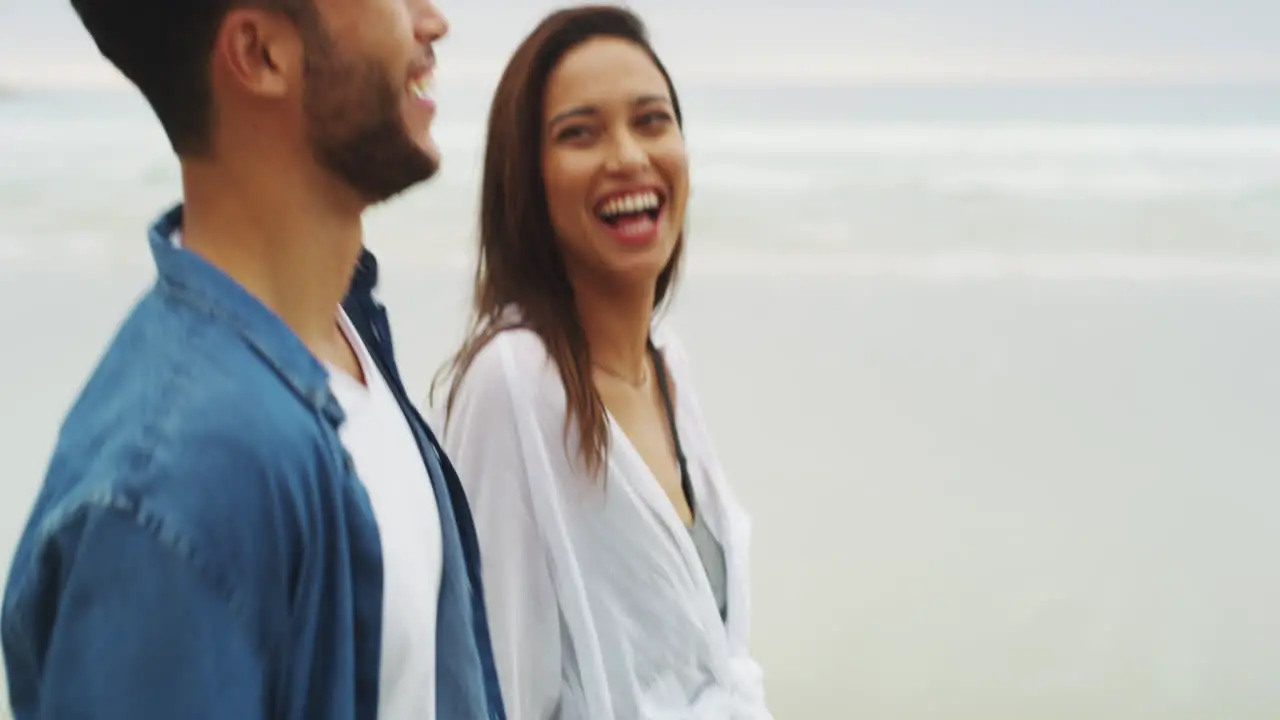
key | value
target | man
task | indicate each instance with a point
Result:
(244, 517)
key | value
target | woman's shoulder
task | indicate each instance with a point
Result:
(664, 333)
(666, 338)
(513, 358)
(513, 347)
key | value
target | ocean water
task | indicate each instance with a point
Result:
(1182, 175)
(997, 371)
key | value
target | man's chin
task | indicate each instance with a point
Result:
(394, 179)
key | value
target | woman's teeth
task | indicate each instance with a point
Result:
(420, 88)
(630, 204)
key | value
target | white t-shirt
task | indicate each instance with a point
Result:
(389, 464)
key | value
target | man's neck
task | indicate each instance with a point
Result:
(289, 246)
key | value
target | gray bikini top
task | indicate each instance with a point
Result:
(710, 551)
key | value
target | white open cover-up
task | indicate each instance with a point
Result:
(599, 606)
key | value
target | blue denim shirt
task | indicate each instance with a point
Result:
(202, 548)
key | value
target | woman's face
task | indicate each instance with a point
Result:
(614, 162)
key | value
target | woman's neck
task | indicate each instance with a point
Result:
(617, 330)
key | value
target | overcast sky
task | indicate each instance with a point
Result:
(826, 41)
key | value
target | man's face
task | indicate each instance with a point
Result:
(368, 112)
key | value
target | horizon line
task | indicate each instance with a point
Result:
(24, 84)
(20, 73)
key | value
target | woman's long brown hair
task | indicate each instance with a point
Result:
(520, 264)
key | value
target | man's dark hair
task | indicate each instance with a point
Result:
(163, 47)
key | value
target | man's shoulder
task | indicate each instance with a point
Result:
(182, 426)
(202, 452)
(175, 390)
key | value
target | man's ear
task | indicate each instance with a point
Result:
(260, 52)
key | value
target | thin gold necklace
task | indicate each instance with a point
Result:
(634, 384)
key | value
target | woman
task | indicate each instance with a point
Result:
(615, 555)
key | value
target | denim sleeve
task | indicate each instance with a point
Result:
(134, 629)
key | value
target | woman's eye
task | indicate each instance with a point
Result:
(572, 133)
(655, 117)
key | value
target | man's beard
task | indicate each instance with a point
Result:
(354, 120)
